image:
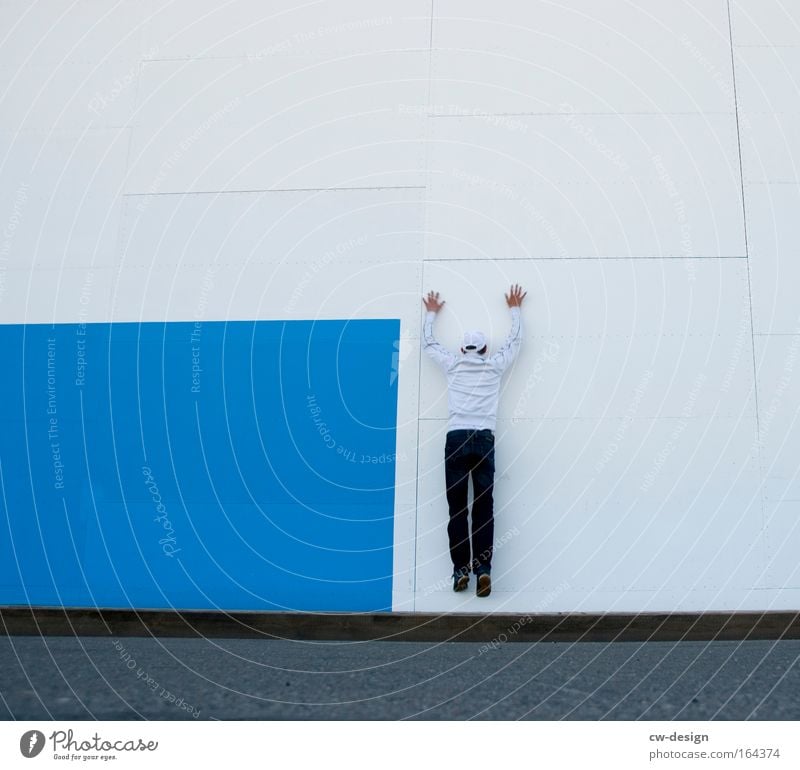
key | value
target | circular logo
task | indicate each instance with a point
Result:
(31, 743)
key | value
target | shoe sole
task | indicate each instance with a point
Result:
(462, 583)
(484, 585)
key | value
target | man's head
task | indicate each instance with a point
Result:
(474, 342)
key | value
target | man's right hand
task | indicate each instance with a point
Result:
(515, 296)
(432, 302)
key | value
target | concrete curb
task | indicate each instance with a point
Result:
(401, 626)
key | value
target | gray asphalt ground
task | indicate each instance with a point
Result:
(144, 678)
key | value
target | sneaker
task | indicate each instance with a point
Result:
(484, 584)
(460, 580)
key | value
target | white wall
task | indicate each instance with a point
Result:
(634, 165)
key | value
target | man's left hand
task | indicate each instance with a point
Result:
(432, 302)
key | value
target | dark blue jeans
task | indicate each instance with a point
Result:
(469, 452)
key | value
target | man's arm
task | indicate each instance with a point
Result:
(508, 352)
(437, 352)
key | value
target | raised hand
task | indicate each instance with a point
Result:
(432, 301)
(515, 296)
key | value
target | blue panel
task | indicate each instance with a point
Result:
(239, 465)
